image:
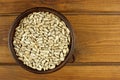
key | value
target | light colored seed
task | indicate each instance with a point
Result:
(20, 58)
(52, 66)
(64, 50)
(46, 68)
(62, 58)
(61, 54)
(39, 68)
(43, 62)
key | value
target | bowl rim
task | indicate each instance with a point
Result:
(16, 23)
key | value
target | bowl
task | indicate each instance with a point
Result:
(16, 23)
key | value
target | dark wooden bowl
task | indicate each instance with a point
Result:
(16, 23)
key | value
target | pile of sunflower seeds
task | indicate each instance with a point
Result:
(41, 40)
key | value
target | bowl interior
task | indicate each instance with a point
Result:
(16, 23)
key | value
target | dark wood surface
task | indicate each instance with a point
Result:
(96, 25)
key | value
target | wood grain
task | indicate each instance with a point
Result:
(66, 6)
(66, 73)
(97, 37)
(96, 24)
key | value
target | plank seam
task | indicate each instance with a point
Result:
(73, 13)
(76, 64)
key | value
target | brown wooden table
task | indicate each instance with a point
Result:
(96, 25)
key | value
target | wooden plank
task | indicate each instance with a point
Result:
(5, 55)
(97, 38)
(78, 6)
(66, 73)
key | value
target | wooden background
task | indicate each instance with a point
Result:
(96, 24)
